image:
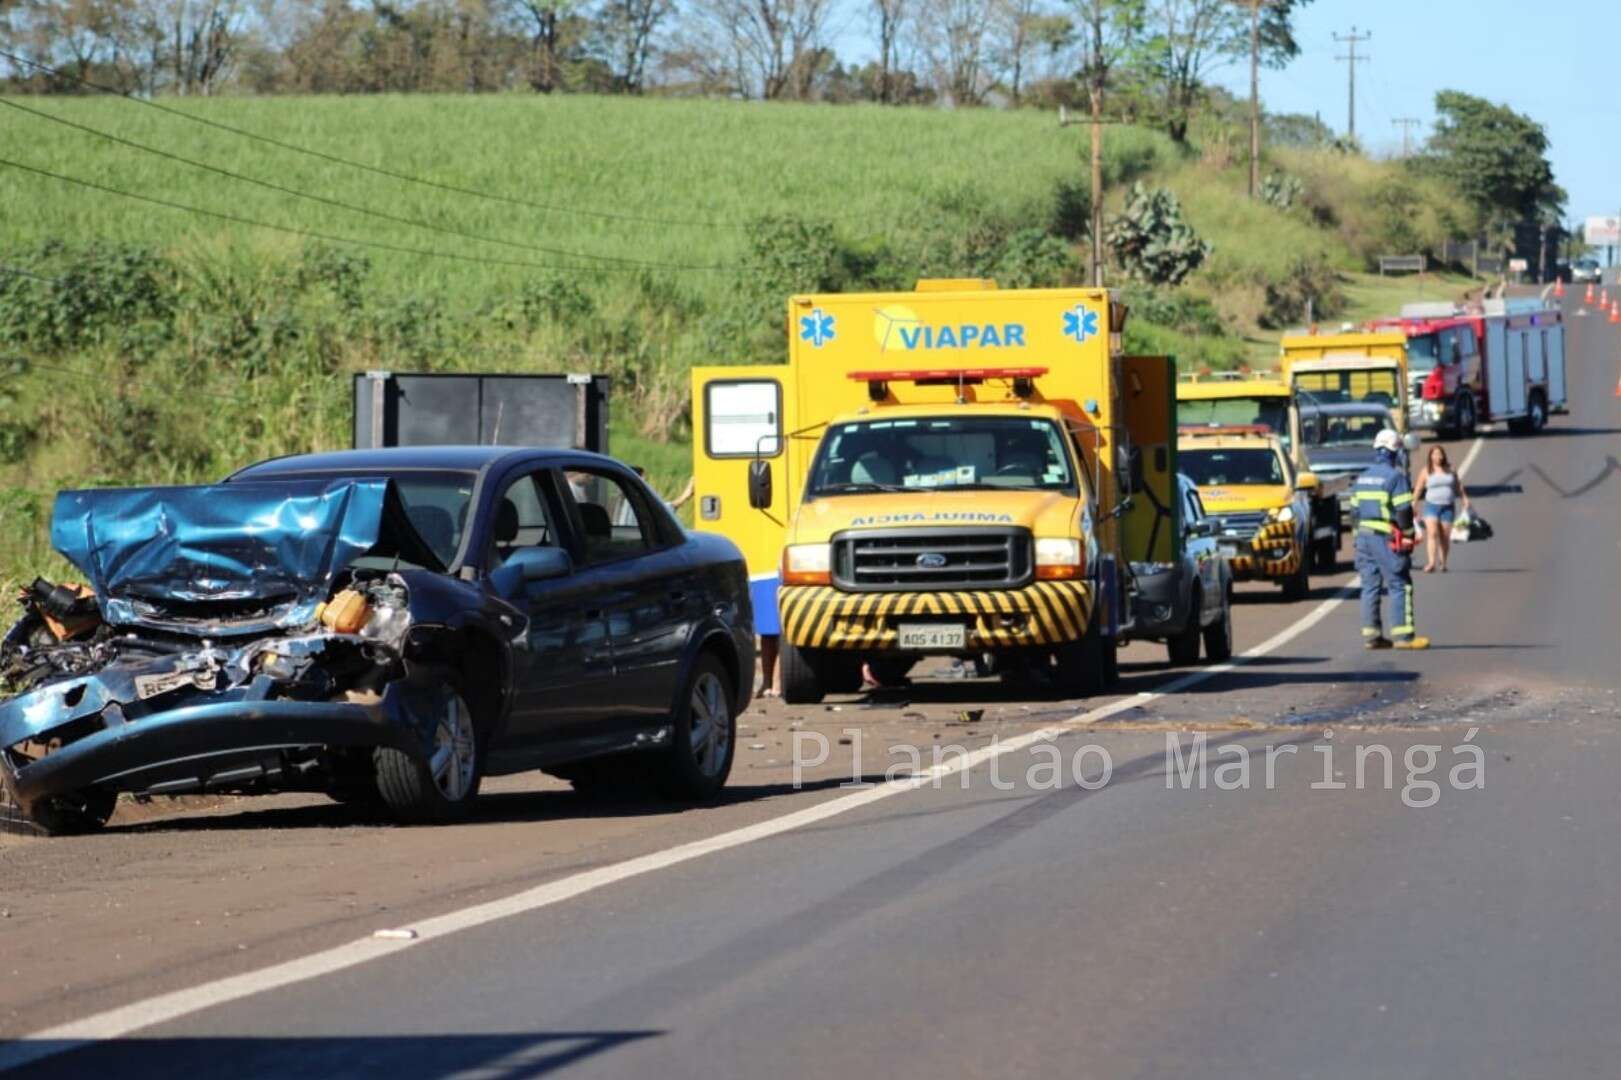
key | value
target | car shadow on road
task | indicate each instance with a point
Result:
(492, 808)
(1554, 430)
(504, 1056)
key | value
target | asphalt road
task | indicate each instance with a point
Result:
(1142, 926)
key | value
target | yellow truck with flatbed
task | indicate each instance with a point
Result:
(1263, 399)
(955, 471)
(1260, 502)
(1361, 366)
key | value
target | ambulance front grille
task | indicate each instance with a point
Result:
(875, 560)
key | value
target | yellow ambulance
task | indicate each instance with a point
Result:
(955, 471)
(1359, 366)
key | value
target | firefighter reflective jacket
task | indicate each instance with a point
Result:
(1384, 498)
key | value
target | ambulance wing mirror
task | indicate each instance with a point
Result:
(1410, 441)
(760, 484)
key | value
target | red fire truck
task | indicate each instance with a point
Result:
(1501, 361)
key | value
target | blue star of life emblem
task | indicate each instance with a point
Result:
(816, 328)
(1080, 323)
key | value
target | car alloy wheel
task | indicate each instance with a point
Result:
(711, 726)
(455, 750)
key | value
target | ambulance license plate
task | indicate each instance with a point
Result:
(933, 636)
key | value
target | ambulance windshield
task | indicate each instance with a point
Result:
(934, 453)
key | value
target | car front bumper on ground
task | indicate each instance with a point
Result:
(215, 744)
(1043, 613)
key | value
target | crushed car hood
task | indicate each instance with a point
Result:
(228, 558)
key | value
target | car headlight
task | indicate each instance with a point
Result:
(1286, 513)
(1058, 557)
(807, 564)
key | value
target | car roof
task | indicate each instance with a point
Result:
(1039, 410)
(457, 458)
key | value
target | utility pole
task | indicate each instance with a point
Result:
(1255, 99)
(1407, 124)
(1351, 41)
(1095, 271)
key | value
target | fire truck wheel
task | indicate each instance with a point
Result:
(1466, 415)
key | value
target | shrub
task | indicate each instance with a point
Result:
(1150, 240)
(1032, 259)
(1308, 280)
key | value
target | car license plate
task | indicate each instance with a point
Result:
(1229, 551)
(933, 636)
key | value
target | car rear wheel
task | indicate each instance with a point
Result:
(1183, 648)
(443, 785)
(1466, 415)
(1218, 636)
(704, 738)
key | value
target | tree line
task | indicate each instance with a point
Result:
(1155, 56)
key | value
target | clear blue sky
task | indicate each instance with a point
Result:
(1556, 61)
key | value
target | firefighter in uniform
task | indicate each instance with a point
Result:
(1384, 545)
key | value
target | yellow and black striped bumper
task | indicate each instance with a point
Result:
(1247, 565)
(1041, 613)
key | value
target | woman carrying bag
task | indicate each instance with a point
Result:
(1440, 488)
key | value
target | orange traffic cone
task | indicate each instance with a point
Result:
(1588, 299)
(1615, 314)
(1618, 386)
(1559, 287)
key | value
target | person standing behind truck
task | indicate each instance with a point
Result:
(1384, 545)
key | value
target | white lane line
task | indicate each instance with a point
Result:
(115, 1023)
(1474, 452)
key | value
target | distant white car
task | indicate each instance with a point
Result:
(1586, 270)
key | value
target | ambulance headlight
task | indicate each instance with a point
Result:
(806, 564)
(1285, 514)
(1058, 557)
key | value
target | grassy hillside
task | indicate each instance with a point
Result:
(160, 345)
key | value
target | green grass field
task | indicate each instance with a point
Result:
(217, 341)
(694, 172)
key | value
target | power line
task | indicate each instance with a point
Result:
(311, 234)
(351, 207)
(1352, 40)
(605, 215)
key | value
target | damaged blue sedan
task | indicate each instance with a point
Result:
(384, 626)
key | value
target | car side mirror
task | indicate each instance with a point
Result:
(1410, 441)
(1201, 529)
(1306, 481)
(760, 484)
(531, 564)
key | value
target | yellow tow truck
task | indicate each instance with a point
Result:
(1351, 366)
(955, 471)
(1260, 502)
(1263, 399)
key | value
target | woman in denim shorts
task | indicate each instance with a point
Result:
(1440, 489)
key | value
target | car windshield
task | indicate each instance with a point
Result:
(931, 453)
(1335, 387)
(1350, 430)
(1271, 413)
(436, 502)
(1221, 467)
